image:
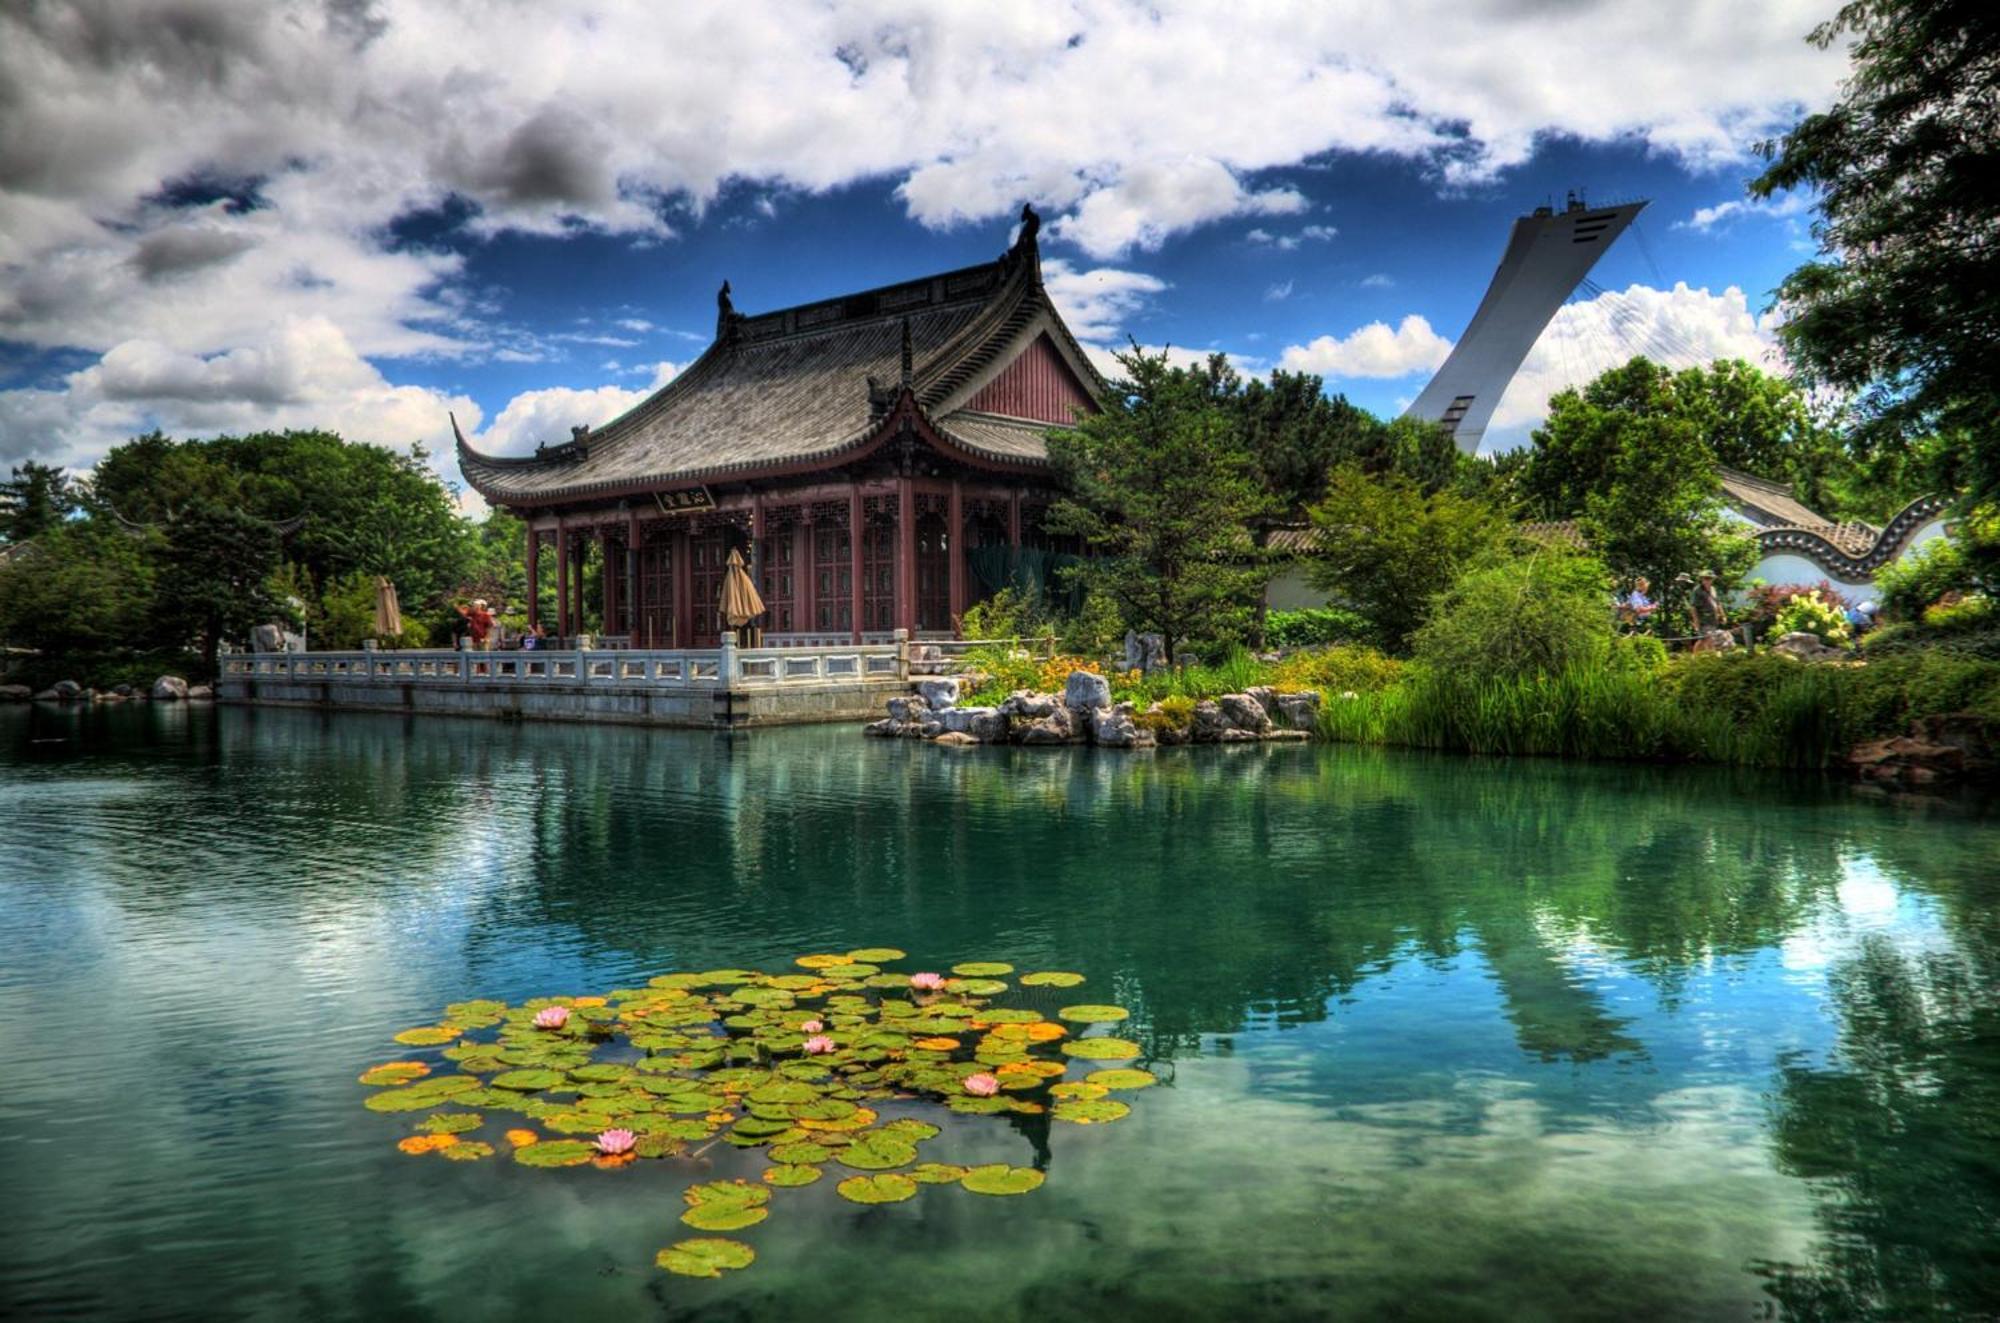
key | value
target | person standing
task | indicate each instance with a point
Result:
(1705, 606)
(479, 621)
(1638, 608)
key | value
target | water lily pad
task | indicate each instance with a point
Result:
(394, 1072)
(803, 1153)
(874, 955)
(1123, 1079)
(1077, 1090)
(822, 1109)
(821, 961)
(888, 1188)
(910, 1129)
(979, 987)
(466, 1150)
(707, 1256)
(878, 1151)
(450, 1123)
(789, 1174)
(528, 1081)
(1090, 1111)
(424, 1093)
(936, 1173)
(723, 1217)
(477, 1014)
(726, 1192)
(1093, 1014)
(999, 1178)
(415, 1144)
(555, 1153)
(1101, 1049)
(783, 1091)
(850, 971)
(981, 969)
(1050, 978)
(429, 1035)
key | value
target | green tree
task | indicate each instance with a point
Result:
(1385, 547)
(1161, 488)
(1659, 511)
(34, 500)
(1514, 619)
(85, 587)
(1901, 307)
(213, 579)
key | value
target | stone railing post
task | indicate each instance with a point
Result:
(725, 666)
(903, 654)
(368, 656)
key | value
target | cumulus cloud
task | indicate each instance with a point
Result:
(1095, 304)
(1680, 327)
(546, 416)
(1709, 218)
(1286, 243)
(1374, 350)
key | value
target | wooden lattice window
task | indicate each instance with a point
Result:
(878, 569)
(778, 572)
(656, 593)
(833, 578)
(934, 553)
(708, 552)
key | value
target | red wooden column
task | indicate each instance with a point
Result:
(562, 579)
(633, 598)
(808, 576)
(856, 528)
(534, 566)
(607, 581)
(683, 589)
(954, 550)
(757, 544)
(906, 556)
(802, 543)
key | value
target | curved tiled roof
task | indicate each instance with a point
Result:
(1847, 554)
(801, 386)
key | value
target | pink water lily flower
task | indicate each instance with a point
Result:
(613, 1142)
(811, 1027)
(927, 982)
(981, 1085)
(817, 1044)
(552, 1017)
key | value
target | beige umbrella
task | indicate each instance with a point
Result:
(740, 602)
(388, 612)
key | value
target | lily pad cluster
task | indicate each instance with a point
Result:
(803, 1064)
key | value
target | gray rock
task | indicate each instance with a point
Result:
(1234, 736)
(1144, 652)
(1276, 734)
(48, 696)
(66, 691)
(1245, 713)
(887, 728)
(1209, 722)
(275, 638)
(908, 708)
(1086, 691)
(1026, 705)
(956, 739)
(1807, 648)
(1055, 728)
(939, 693)
(15, 693)
(1114, 728)
(200, 693)
(924, 730)
(169, 689)
(107, 696)
(984, 724)
(1299, 711)
(122, 690)
(1267, 698)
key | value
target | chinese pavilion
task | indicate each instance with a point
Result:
(855, 449)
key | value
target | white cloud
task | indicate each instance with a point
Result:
(1286, 243)
(1374, 350)
(1680, 327)
(1707, 218)
(1377, 281)
(1095, 304)
(1279, 292)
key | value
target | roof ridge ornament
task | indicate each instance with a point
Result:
(726, 316)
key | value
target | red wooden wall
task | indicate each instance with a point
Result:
(1037, 385)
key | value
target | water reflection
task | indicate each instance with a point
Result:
(1434, 1011)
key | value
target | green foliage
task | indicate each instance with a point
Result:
(1315, 625)
(82, 589)
(1386, 548)
(1535, 615)
(1901, 308)
(1008, 614)
(35, 499)
(1160, 487)
(1810, 613)
(213, 577)
(1908, 584)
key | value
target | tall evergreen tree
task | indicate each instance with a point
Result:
(34, 500)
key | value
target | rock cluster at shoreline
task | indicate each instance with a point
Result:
(1085, 714)
(166, 689)
(1950, 746)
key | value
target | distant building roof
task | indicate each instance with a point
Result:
(799, 388)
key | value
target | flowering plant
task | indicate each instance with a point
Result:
(1810, 613)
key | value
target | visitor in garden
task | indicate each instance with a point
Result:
(1637, 607)
(1705, 606)
(479, 622)
(531, 641)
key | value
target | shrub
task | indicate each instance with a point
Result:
(1907, 585)
(1959, 617)
(1809, 613)
(1337, 670)
(1539, 614)
(1008, 614)
(1176, 712)
(1316, 626)
(1765, 601)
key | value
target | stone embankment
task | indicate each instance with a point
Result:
(1951, 746)
(166, 689)
(1083, 713)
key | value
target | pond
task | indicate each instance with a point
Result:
(1437, 1037)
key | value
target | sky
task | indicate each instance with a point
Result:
(221, 216)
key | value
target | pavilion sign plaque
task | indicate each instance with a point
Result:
(685, 501)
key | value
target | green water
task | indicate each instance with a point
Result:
(1438, 1038)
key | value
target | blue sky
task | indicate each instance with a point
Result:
(220, 215)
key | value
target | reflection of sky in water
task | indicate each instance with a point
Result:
(1500, 1039)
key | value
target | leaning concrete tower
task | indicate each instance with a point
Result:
(1548, 255)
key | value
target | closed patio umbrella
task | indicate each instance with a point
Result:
(740, 602)
(388, 612)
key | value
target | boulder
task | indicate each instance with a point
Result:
(1086, 691)
(1266, 697)
(984, 724)
(1278, 733)
(48, 696)
(1144, 652)
(15, 693)
(169, 689)
(887, 728)
(1209, 723)
(908, 708)
(955, 739)
(1807, 648)
(1245, 713)
(1298, 711)
(66, 691)
(939, 692)
(1945, 747)
(107, 696)
(1234, 736)
(928, 729)
(1026, 705)
(200, 693)
(1165, 731)
(1115, 728)
(122, 690)
(1055, 728)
